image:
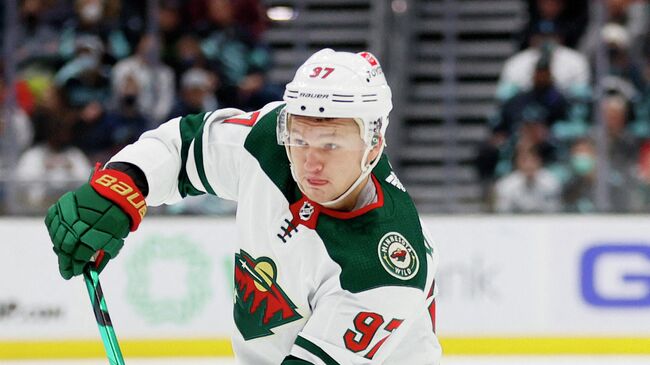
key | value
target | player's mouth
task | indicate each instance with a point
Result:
(316, 182)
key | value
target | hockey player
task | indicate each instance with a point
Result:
(333, 265)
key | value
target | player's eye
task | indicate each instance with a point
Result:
(298, 142)
(330, 146)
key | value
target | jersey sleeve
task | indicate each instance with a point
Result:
(193, 155)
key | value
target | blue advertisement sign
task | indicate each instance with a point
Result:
(634, 277)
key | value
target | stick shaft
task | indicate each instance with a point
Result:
(101, 315)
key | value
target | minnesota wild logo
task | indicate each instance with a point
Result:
(260, 303)
(397, 256)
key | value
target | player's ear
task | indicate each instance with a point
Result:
(376, 150)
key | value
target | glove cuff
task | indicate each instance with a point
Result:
(119, 188)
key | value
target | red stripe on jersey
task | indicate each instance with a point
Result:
(432, 307)
(252, 118)
(432, 313)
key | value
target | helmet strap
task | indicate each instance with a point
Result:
(366, 169)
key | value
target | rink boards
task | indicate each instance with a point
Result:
(508, 285)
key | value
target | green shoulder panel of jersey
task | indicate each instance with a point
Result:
(383, 247)
(191, 127)
(263, 145)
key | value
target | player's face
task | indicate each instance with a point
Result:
(326, 154)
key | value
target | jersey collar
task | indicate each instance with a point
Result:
(306, 212)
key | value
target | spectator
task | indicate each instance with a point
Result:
(124, 123)
(85, 78)
(22, 128)
(569, 69)
(578, 194)
(622, 150)
(544, 98)
(188, 54)
(50, 106)
(90, 131)
(572, 16)
(36, 40)
(170, 30)
(132, 19)
(98, 18)
(622, 146)
(197, 93)
(50, 168)
(155, 80)
(624, 73)
(534, 134)
(240, 60)
(528, 189)
(632, 15)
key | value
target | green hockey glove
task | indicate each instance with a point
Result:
(95, 217)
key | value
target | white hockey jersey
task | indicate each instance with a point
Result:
(312, 285)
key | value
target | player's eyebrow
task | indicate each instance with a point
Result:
(330, 130)
(328, 134)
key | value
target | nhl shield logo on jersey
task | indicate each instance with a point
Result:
(397, 256)
(306, 211)
(260, 303)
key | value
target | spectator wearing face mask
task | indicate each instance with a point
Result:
(124, 120)
(155, 80)
(578, 193)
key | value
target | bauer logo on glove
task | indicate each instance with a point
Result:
(114, 184)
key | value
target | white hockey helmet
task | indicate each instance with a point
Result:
(334, 84)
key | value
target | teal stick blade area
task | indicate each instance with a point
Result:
(102, 317)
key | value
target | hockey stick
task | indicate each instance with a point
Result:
(91, 277)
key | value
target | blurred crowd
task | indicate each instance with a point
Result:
(92, 75)
(547, 149)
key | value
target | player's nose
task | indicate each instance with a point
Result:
(313, 160)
